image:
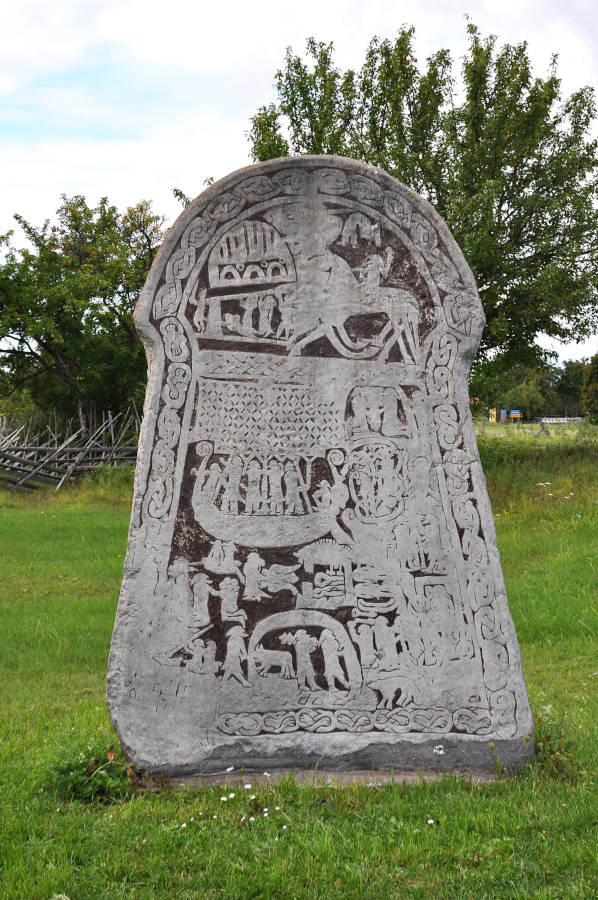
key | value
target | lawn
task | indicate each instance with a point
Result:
(71, 824)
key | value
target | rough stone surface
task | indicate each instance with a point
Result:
(312, 575)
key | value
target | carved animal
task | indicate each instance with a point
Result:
(388, 685)
(400, 306)
(340, 296)
(266, 660)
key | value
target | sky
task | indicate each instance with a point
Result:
(131, 98)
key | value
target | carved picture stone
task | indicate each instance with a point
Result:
(312, 574)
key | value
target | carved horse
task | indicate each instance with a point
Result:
(327, 293)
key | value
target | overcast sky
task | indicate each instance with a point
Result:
(130, 98)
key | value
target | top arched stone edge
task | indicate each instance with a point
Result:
(213, 207)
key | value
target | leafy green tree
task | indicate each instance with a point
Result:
(507, 162)
(569, 386)
(533, 392)
(590, 388)
(66, 304)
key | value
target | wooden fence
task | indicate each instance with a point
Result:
(36, 453)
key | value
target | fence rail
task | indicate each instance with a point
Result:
(34, 454)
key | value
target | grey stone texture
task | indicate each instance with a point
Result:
(312, 577)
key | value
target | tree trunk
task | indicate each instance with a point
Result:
(84, 413)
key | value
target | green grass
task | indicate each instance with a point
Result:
(66, 828)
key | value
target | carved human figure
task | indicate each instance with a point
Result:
(304, 645)
(221, 559)
(375, 268)
(202, 591)
(323, 495)
(362, 634)
(207, 482)
(232, 323)
(266, 306)
(357, 422)
(358, 227)
(232, 485)
(461, 645)
(323, 277)
(200, 312)
(275, 494)
(405, 539)
(332, 651)
(210, 664)
(204, 660)
(253, 494)
(212, 482)
(286, 324)
(229, 606)
(251, 573)
(181, 596)
(374, 409)
(339, 492)
(386, 636)
(292, 490)
(430, 541)
(236, 655)
(248, 305)
(424, 649)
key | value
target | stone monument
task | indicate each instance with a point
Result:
(312, 575)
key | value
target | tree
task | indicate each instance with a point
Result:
(504, 159)
(569, 386)
(66, 303)
(533, 392)
(590, 388)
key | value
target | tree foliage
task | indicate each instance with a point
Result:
(534, 393)
(569, 387)
(66, 304)
(505, 159)
(538, 390)
(590, 387)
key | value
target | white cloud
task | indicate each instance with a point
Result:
(177, 154)
(574, 350)
(38, 38)
(73, 73)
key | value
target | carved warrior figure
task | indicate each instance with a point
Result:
(202, 591)
(312, 571)
(332, 651)
(236, 655)
(304, 645)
